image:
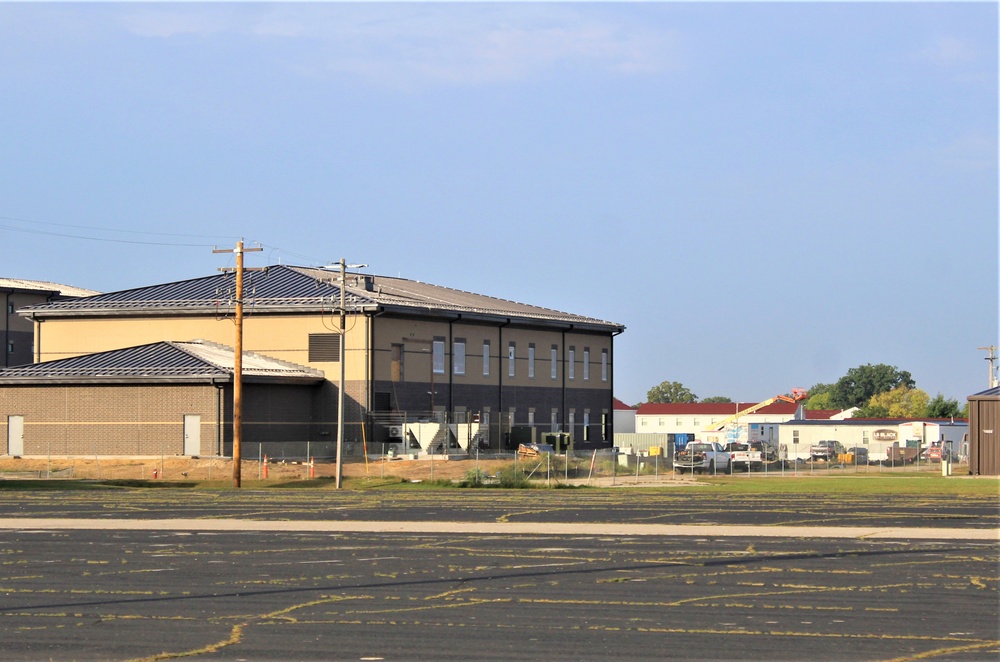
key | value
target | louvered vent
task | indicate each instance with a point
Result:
(324, 347)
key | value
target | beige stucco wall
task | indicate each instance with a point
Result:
(284, 337)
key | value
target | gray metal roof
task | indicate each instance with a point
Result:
(196, 360)
(302, 289)
(44, 286)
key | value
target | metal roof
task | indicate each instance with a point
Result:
(196, 360)
(44, 286)
(303, 289)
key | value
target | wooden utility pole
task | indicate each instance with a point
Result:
(238, 360)
(992, 349)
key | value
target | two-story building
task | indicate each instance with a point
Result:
(16, 332)
(481, 371)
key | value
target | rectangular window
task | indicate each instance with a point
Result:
(10, 348)
(586, 426)
(324, 347)
(437, 350)
(604, 365)
(486, 358)
(572, 421)
(531, 360)
(511, 353)
(554, 421)
(458, 356)
(795, 437)
(571, 367)
(554, 368)
(695, 422)
(604, 426)
(586, 364)
(531, 418)
(864, 437)
(678, 422)
(10, 308)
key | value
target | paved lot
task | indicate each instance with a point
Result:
(366, 594)
(656, 506)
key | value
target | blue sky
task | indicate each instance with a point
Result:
(765, 195)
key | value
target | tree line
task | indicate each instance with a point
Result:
(878, 391)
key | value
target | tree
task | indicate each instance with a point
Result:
(717, 398)
(900, 402)
(670, 392)
(940, 407)
(819, 397)
(857, 387)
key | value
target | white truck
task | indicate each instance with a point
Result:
(745, 457)
(703, 457)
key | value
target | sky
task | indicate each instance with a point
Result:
(764, 195)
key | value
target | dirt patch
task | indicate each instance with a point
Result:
(185, 468)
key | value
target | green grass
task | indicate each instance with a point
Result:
(881, 483)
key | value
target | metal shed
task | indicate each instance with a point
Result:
(984, 433)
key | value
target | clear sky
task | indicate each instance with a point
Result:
(765, 195)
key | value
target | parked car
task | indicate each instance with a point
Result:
(828, 450)
(860, 454)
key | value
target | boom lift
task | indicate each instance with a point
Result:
(714, 432)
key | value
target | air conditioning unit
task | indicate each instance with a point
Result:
(395, 431)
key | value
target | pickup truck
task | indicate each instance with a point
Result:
(745, 456)
(703, 456)
(828, 450)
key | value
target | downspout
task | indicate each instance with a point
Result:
(6, 330)
(500, 384)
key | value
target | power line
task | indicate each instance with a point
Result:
(100, 229)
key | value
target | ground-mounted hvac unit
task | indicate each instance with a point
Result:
(395, 431)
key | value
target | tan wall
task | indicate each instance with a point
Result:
(284, 337)
(108, 420)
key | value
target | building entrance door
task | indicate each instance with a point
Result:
(15, 435)
(192, 434)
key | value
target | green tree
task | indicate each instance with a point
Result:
(819, 397)
(670, 392)
(856, 388)
(940, 407)
(900, 402)
(717, 398)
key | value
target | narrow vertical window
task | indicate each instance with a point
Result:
(571, 363)
(554, 422)
(438, 356)
(586, 364)
(586, 426)
(486, 358)
(604, 426)
(458, 356)
(510, 359)
(531, 360)
(554, 368)
(795, 437)
(531, 418)
(604, 365)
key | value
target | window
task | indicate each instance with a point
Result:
(572, 421)
(586, 364)
(511, 352)
(554, 421)
(864, 437)
(531, 360)
(695, 422)
(554, 368)
(571, 368)
(795, 436)
(458, 356)
(678, 422)
(10, 348)
(10, 309)
(324, 347)
(531, 418)
(604, 365)
(586, 426)
(486, 358)
(604, 425)
(437, 350)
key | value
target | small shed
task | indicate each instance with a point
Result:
(984, 433)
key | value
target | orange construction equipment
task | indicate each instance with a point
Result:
(798, 395)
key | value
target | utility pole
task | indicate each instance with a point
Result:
(992, 349)
(340, 386)
(238, 358)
